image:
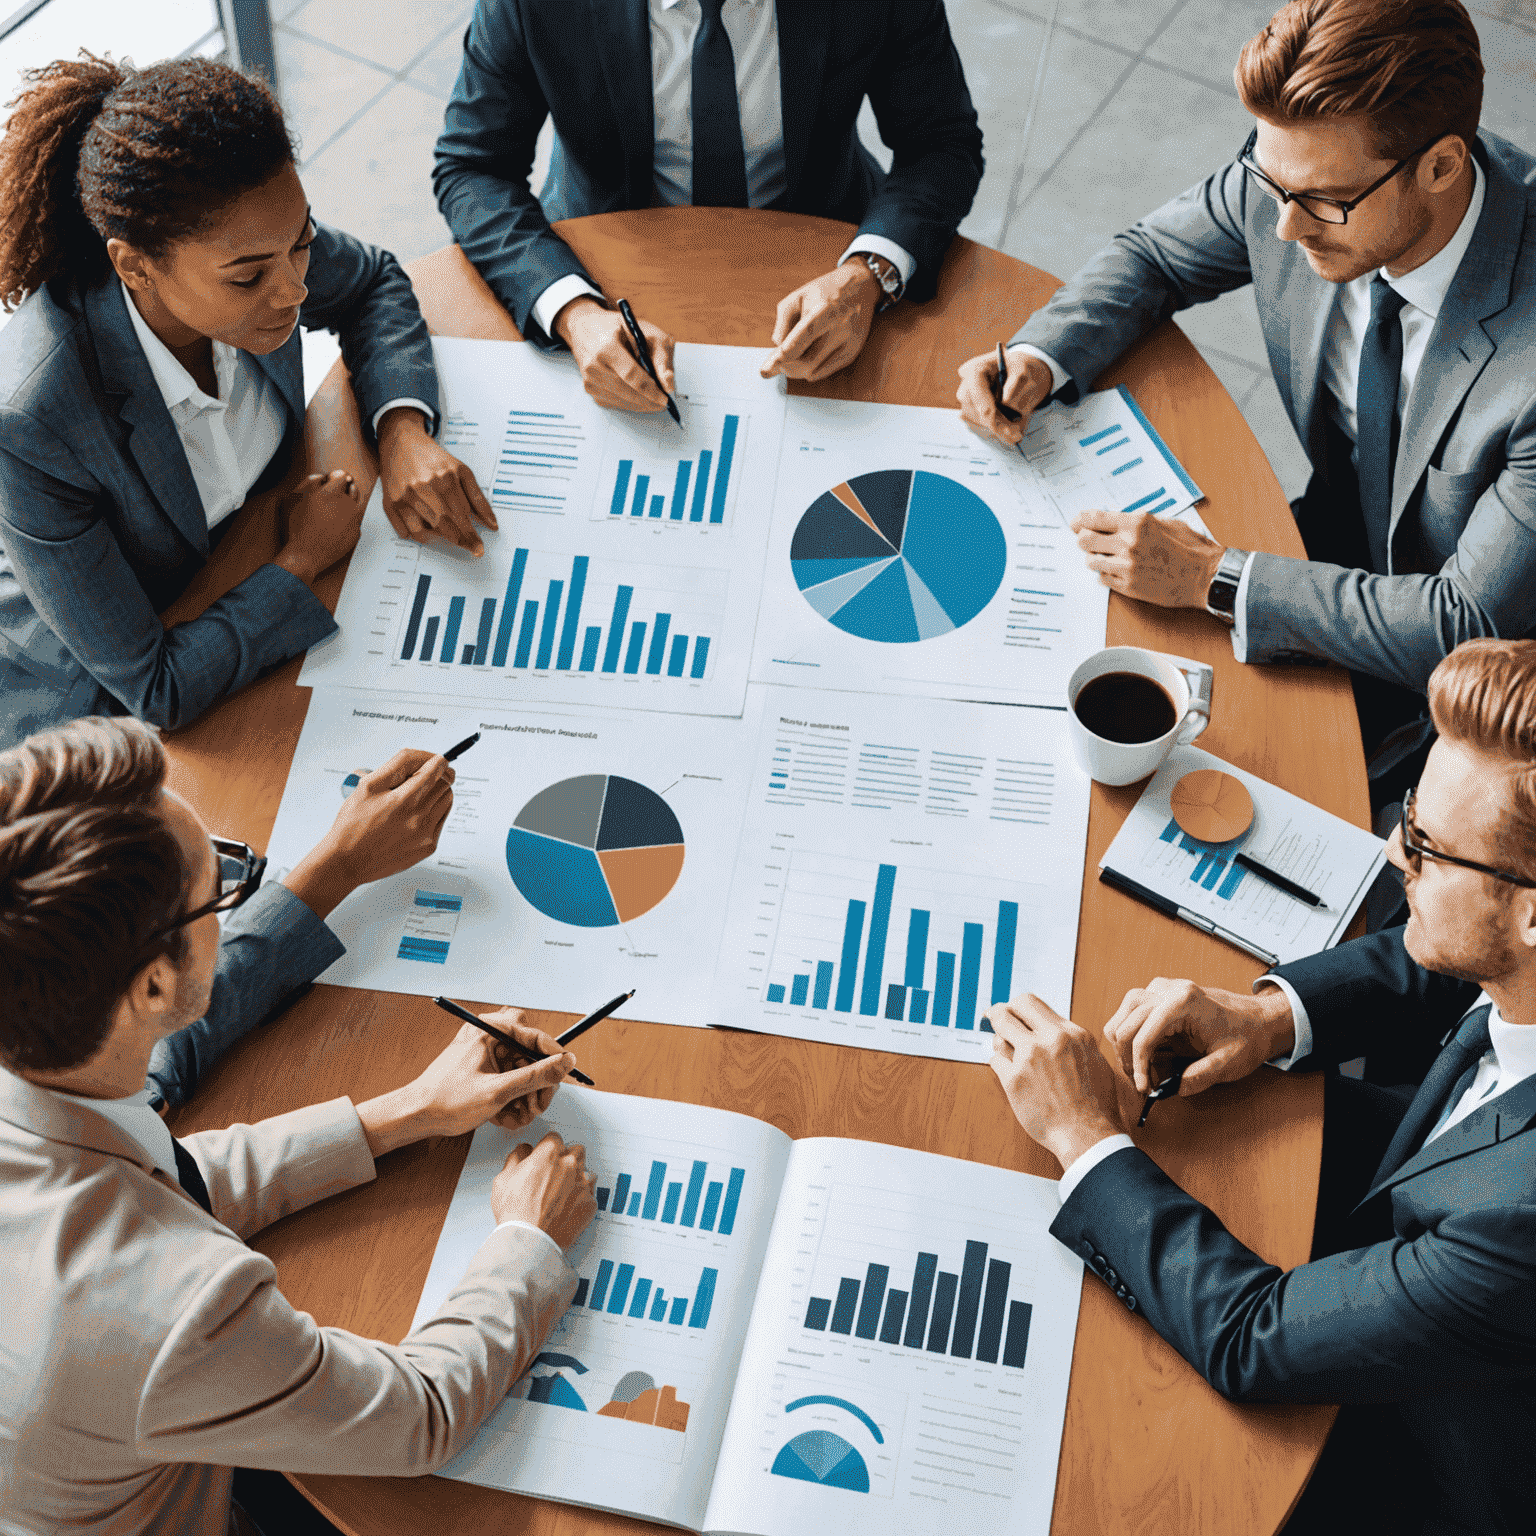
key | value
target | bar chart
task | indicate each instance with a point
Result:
(707, 1204)
(904, 944)
(965, 1312)
(646, 475)
(651, 621)
(618, 1290)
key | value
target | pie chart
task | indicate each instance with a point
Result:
(595, 851)
(899, 555)
(819, 1456)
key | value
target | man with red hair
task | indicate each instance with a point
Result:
(1391, 247)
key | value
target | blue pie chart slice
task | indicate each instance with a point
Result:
(819, 1456)
(899, 555)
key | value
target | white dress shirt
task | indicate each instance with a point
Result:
(753, 28)
(228, 441)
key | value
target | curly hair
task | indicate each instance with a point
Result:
(1412, 68)
(90, 874)
(97, 150)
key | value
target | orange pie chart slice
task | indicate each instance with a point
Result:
(1211, 806)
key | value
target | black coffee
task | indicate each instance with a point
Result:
(1125, 706)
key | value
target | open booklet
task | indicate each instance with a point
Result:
(773, 1336)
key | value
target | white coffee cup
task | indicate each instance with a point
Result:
(1187, 683)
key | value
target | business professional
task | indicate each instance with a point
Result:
(1418, 1310)
(152, 1354)
(1391, 248)
(718, 103)
(155, 234)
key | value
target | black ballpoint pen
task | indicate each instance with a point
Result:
(1169, 1087)
(594, 1018)
(643, 352)
(1279, 881)
(1138, 892)
(1007, 412)
(458, 749)
(515, 1046)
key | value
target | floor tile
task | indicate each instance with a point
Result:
(281, 10)
(1124, 24)
(438, 68)
(1206, 37)
(387, 32)
(320, 90)
(374, 180)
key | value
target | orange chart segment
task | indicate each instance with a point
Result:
(849, 498)
(638, 878)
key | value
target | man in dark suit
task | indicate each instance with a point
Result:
(720, 103)
(1418, 1310)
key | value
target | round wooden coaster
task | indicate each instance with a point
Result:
(1211, 806)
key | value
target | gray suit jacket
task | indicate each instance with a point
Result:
(101, 526)
(1463, 538)
(147, 1350)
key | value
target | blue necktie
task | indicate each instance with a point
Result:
(719, 160)
(1376, 424)
(191, 1176)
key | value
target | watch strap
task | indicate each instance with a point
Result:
(1221, 597)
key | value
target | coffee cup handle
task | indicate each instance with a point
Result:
(1201, 677)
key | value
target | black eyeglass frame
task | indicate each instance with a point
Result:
(1345, 206)
(1416, 850)
(253, 867)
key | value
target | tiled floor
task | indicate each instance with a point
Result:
(1135, 102)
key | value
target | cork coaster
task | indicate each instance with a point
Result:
(1212, 807)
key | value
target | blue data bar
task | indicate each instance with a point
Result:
(551, 618)
(723, 473)
(732, 1199)
(589, 647)
(413, 625)
(509, 608)
(799, 989)
(695, 1189)
(525, 634)
(572, 615)
(874, 953)
(700, 486)
(636, 645)
(943, 987)
(653, 1191)
(853, 929)
(711, 1206)
(616, 628)
(642, 490)
(658, 650)
(700, 656)
(917, 947)
(600, 1285)
(429, 638)
(451, 631)
(823, 992)
(703, 1299)
(1002, 951)
(620, 488)
(970, 977)
(483, 637)
(679, 656)
(680, 490)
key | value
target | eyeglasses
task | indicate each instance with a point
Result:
(1326, 210)
(240, 872)
(1415, 850)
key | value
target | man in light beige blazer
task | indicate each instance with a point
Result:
(147, 1353)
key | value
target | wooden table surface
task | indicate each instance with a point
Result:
(1148, 1447)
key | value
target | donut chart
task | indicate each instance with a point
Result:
(899, 555)
(595, 851)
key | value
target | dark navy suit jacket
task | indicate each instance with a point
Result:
(101, 526)
(587, 64)
(1438, 1319)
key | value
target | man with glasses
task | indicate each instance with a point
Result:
(1391, 248)
(154, 1377)
(1418, 1309)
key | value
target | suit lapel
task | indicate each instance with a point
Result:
(285, 368)
(1309, 330)
(125, 375)
(803, 26)
(622, 29)
(1459, 347)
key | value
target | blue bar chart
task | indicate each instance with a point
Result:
(906, 945)
(650, 479)
(617, 1289)
(1213, 870)
(692, 1199)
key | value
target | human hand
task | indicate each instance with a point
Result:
(547, 1186)
(318, 523)
(601, 344)
(823, 325)
(1060, 1087)
(1158, 561)
(1029, 384)
(391, 821)
(476, 1079)
(426, 490)
(1231, 1033)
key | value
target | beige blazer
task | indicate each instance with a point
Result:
(145, 1350)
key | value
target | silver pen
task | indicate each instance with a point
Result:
(1227, 936)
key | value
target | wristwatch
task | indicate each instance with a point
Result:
(1221, 597)
(887, 275)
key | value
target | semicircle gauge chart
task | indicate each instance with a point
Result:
(899, 555)
(595, 851)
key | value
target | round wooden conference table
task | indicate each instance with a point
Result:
(1148, 1447)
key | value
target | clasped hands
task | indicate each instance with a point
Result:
(1067, 1096)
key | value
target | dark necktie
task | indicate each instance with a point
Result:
(191, 1176)
(1448, 1079)
(719, 160)
(1376, 423)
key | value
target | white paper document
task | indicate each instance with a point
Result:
(774, 1337)
(908, 556)
(903, 864)
(628, 564)
(586, 853)
(1328, 856)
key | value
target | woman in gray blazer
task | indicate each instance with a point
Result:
(156, 237)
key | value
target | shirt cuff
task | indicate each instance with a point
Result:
(547, 307)
(417, 405)
(1060, 378)
(1240, 613)
(1090, 1160)
(1303, 1025)
(877, 245)
(528, 1226)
